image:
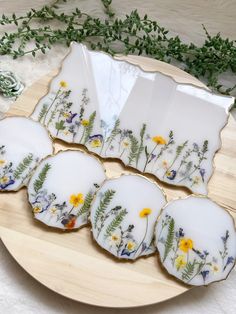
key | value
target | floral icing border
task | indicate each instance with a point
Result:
(68, 212)
(187, 260)
(175, 163)
(11, 174)
(107, 225)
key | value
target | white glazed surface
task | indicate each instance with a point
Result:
(20, 293)
(138, 201)
(120, 101)
(73, 176)
(21, 138)
(204, 225)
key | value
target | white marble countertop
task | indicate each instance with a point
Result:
(20, 293)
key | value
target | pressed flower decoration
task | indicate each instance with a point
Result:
(67, 211)
(182, 255)
(126, 231)
(16, 165)
(75, 200)
(77, 126)
(101, 118)
(59, 208)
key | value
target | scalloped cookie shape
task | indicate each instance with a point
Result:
(23, 144)
(123, 216)
(196, 240)
(146, 119)
(62, 188)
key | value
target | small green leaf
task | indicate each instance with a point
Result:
(169, 239)
(60, 125)
(38, 183)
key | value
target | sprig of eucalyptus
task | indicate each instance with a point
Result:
(133, 35)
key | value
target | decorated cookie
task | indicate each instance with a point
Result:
(123, 216)
(196, 240)
(23, 143)
(62, 188)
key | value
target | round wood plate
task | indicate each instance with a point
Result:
(70, 263)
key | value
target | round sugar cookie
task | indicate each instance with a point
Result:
(124, 214)
(23, 144)
(62, 188)
(196, 240)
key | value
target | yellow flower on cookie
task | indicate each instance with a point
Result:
(114, 239)
(130, 246)
(159, 140)
(2, 162)
(75, 200)
(145, 212)
(63, 84)
(66, 114)
(180, 262)
(165, 164)
(215, 268)
(53, 210)
(85, 122)
(4, 180)
(37, 209)
(185, 245)
(96, 143)
(125, 143)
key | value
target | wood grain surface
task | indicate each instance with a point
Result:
(70, 263)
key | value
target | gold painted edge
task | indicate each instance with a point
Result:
(155, 238)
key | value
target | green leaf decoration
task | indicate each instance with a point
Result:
(42, 112)
(188, 271)
(188, 167)
(104, 202)
(169, 238)
(89, 128)
(115, 223)
(38, 183)
(114, 132)
(52, 116)
(86, 206)
(23, 166)
(180, 148)
(205, 147)
(141, 147)
(133, 149)
(60, 125)
(200, 265)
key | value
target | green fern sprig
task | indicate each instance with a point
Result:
(188, 271)
(38, 183)
(23, 166)
(141, 147)
(133, 149)
(114, 132)
(87, 204)
(169, 238)
(42, 112)
(104, 202)
(89, 128)
(115, 223)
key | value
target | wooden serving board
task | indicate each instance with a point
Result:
(70, 263)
